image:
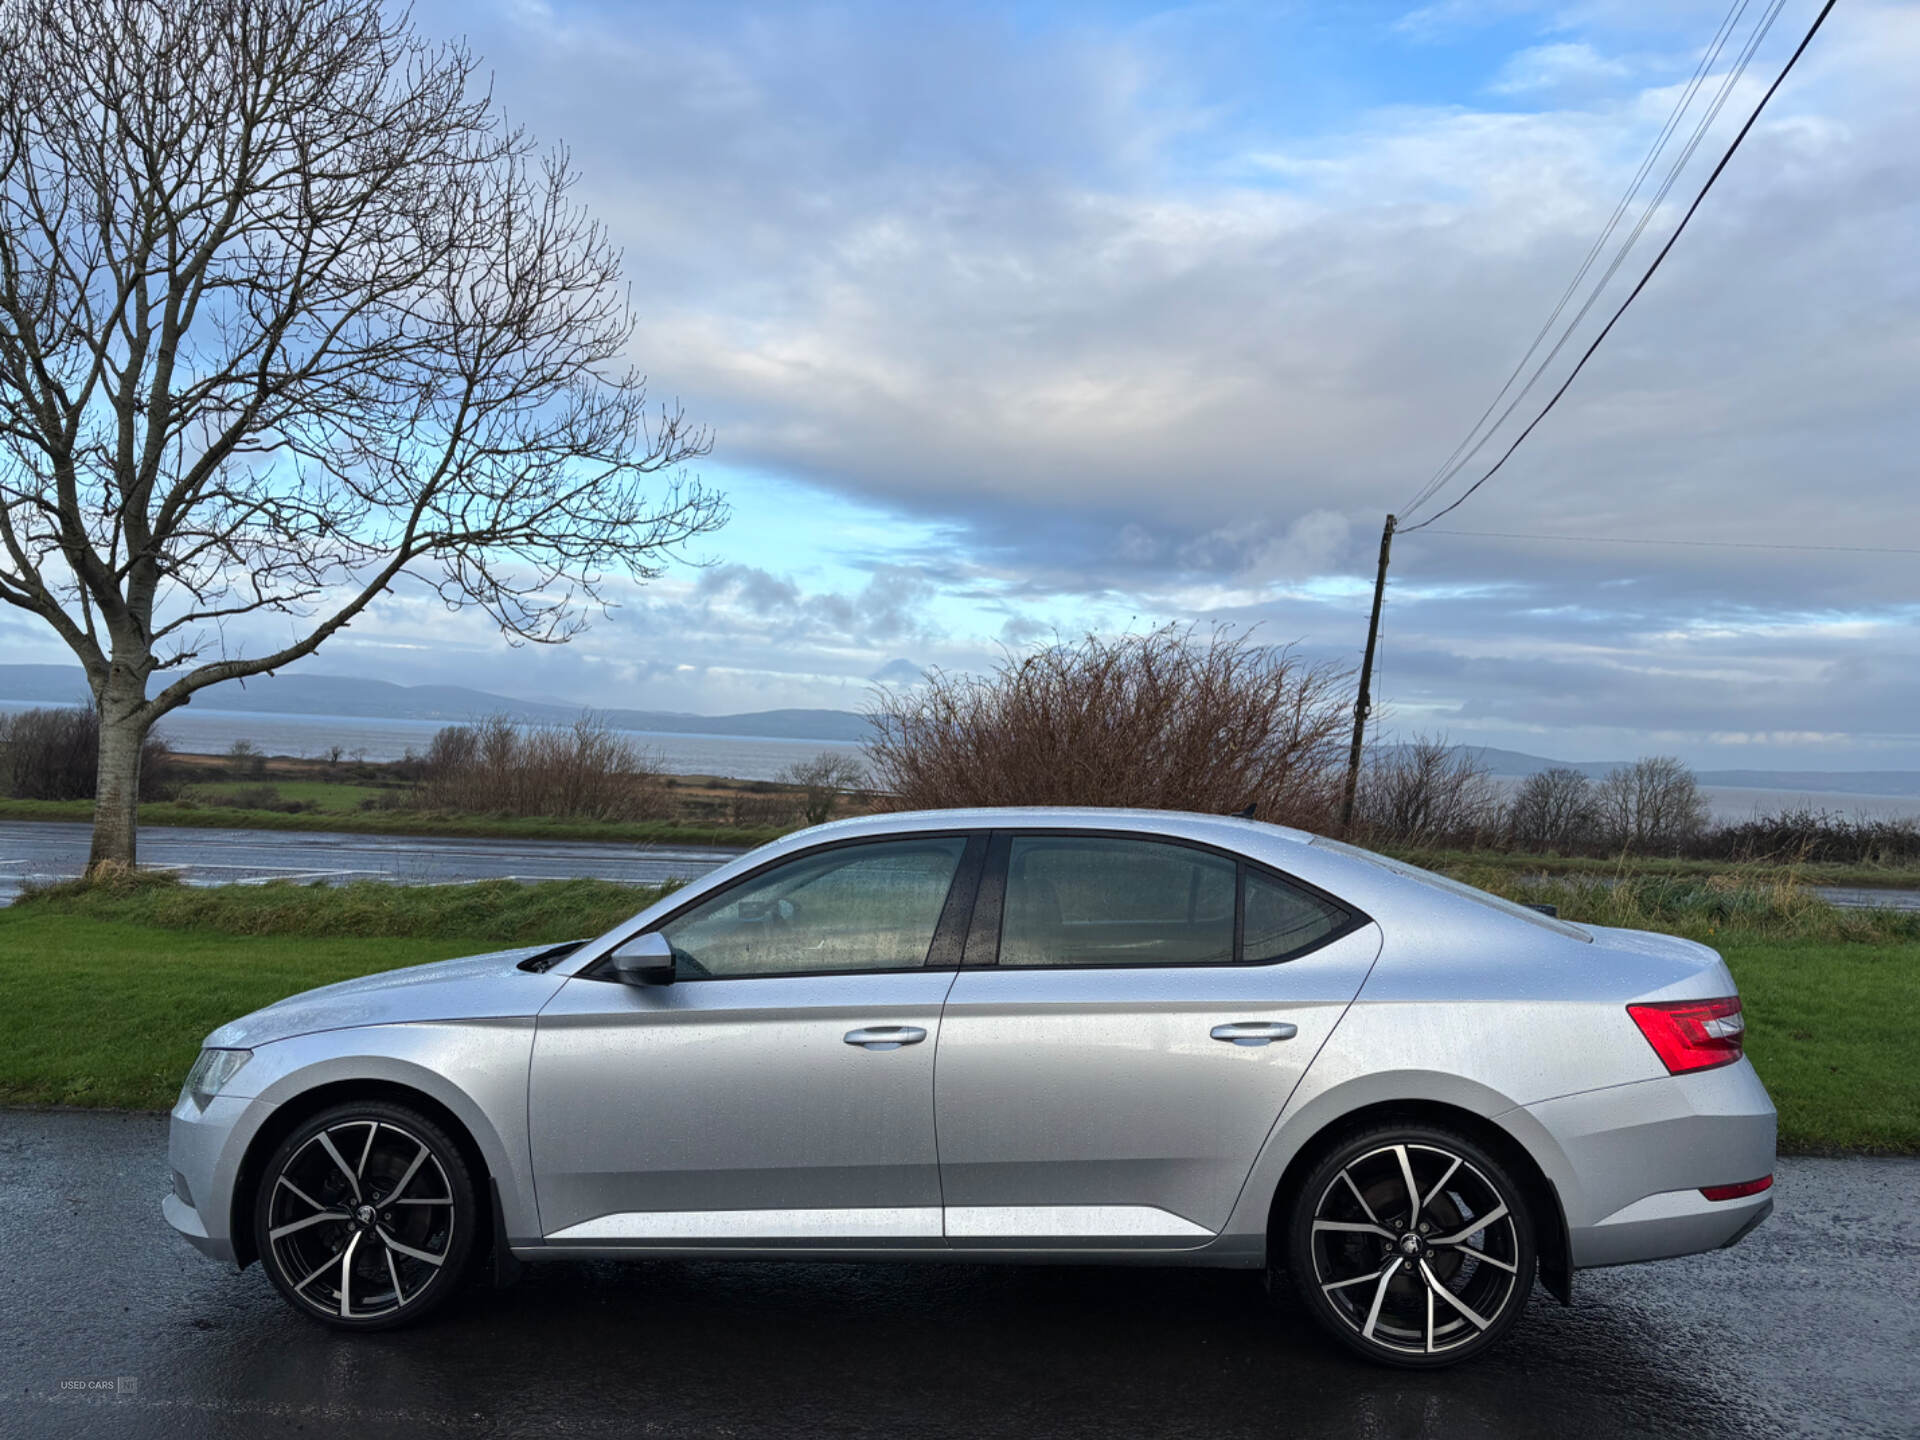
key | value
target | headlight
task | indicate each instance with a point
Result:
(212, 1071)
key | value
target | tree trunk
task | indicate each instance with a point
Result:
(124, 723)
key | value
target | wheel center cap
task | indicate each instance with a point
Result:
(365, 1214)
(1409, 1244)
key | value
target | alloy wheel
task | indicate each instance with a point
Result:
(361, 1219)
(1415, 1250)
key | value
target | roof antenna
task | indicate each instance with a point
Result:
(1246, 814)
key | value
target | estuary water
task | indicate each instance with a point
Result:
(210, 732)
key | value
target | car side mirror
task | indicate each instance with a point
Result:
(645, 960)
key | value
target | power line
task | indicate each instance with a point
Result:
(1701, 127)
(1665, 250)
(1706, 544)
(1456, 459)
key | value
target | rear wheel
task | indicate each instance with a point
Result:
(1412, 1246)
(366, 1216)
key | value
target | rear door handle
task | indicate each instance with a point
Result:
(886, 1037)
(1255, 1032)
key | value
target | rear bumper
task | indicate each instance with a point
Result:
(1680, 1222)
(1639, 1155)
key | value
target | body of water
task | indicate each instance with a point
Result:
(749, 757)
(212, 732)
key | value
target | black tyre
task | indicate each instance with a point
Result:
(366, 1216)
(1412, 1246)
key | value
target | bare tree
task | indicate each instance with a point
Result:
(1428, 791)
(1652, 804)
(1553, 809)
(823, 778)
(1169, 720)
(288, 311)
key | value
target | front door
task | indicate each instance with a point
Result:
(1109, 1081)
(780, 1093)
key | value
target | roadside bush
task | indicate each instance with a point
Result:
(752, 810)
(1427, 793)
(1553, 810)
(1169, 719)
(821, 781)
(1805, 835)
(245, 760)
(1654, 804)
(53, 753)
(263, 797)
(583, 771)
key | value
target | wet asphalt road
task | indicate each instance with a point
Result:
(1807, 1328)
(42, 851)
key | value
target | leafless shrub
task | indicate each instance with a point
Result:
(774, 809)
(1425, 793)
(1804, 835)
(578, 771)
(1652, 804)
(53, 753)
(245, 760)
(1553, 810)
(823, 778)
(1169, 719)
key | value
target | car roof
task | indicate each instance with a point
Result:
(1229, 830)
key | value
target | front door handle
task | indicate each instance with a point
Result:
(886, 1037)
(1255, 1032)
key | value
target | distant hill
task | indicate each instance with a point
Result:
(293, 694)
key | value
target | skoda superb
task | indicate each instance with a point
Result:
(1036, 1035)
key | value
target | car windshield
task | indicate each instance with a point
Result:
(1454, 887)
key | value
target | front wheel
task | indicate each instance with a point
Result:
(1412, 1246)
(366, 1216)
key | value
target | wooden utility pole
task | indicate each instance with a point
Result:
(1363, 702)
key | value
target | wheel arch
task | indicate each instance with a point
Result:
(1552, 1237)
(288, 1116)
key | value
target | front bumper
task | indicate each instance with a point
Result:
(204, 1149)
(1639, 1154)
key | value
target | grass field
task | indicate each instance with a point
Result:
(105, 992)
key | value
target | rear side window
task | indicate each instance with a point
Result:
(1281, 920)
(1093, 900)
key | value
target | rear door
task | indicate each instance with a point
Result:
(1132, 1015)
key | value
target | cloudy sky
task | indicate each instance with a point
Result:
(1046, 317)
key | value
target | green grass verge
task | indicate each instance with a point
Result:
(1830, 1028)
(109, 1013)
(410, 822)
(1485, 863)
(106, 990)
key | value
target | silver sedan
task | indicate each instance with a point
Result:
(1033, 1035)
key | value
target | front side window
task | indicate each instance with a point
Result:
(855, 907)
(1091, 900)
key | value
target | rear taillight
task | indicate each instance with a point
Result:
(1692, 1034)
(1737, 1192)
